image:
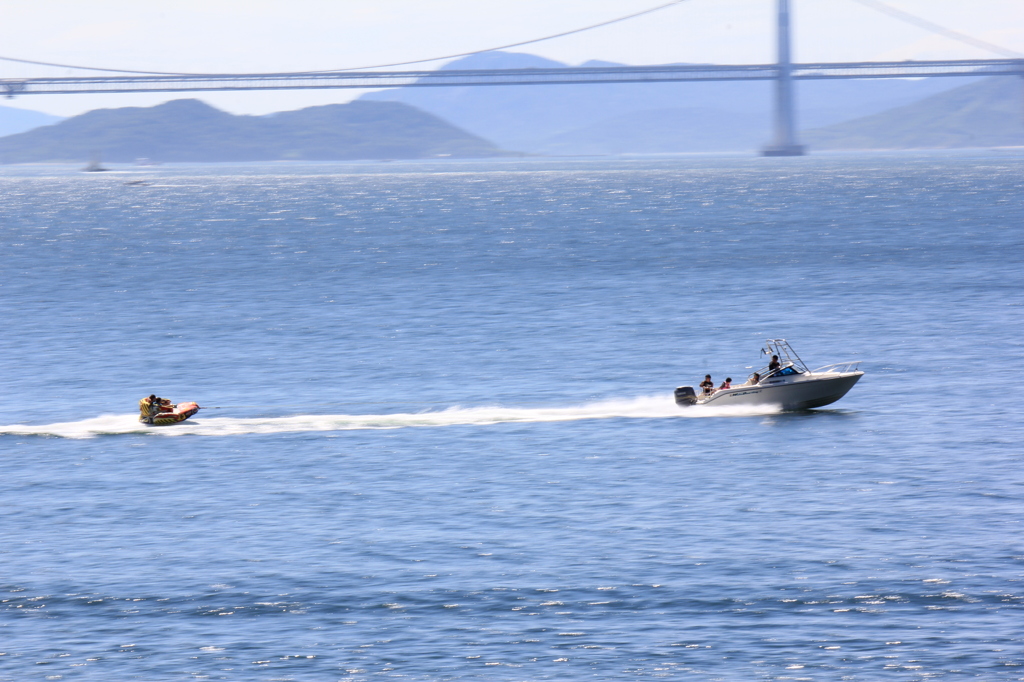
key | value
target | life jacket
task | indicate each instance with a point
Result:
(144, 407)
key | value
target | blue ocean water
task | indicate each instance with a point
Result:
(446, 446)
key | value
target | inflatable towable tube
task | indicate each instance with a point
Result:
(180, 413)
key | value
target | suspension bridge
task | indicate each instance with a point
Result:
(783, 72)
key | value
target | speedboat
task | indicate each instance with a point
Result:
(787, 383)
(177, 414)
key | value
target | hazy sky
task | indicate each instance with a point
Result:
(278, 35)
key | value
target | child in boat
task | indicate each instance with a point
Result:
(726, 384)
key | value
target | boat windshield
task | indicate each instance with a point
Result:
(787, 371)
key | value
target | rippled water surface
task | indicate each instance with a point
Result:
(445, 444)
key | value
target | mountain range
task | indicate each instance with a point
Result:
(589, 119)
(14, 120)
(602, 118)
(190, 130)
(987, 113)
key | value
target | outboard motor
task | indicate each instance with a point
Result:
(685, 396)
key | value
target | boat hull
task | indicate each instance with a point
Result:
(182, 411)
(804, 393)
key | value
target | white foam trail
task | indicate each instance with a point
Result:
(650, 407)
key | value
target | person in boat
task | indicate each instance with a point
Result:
(774, 364)
(708, 385)
(726, 384)
(755, 379)
(152, 406)
(147, 408)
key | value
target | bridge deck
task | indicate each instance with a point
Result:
(560, 76)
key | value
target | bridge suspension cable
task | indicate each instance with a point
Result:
(520, 44)
(921, 22)
(650, 10)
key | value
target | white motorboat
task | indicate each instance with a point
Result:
(786, 382)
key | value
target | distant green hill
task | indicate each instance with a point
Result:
(988, 113)
(189, 130)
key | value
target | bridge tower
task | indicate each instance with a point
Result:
(785, 125)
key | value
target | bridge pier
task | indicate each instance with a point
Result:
(785, 143)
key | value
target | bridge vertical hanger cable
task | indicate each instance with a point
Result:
(921, 22)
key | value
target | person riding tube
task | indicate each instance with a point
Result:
(148, 408)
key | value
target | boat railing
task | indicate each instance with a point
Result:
(785, 352)
(838, 368)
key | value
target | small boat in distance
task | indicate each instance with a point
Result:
(95, 166)
(786, 382)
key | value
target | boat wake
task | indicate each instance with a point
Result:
(651, 407)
